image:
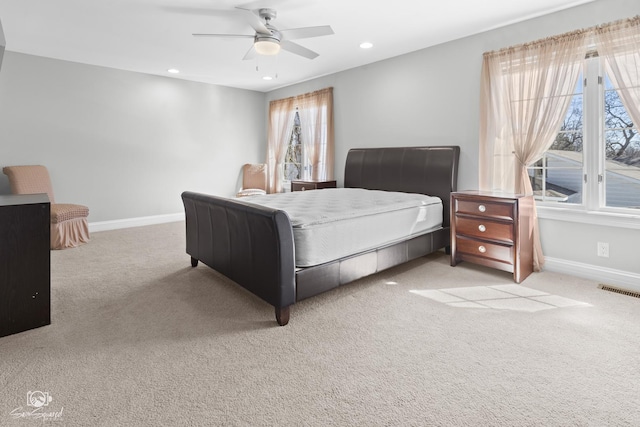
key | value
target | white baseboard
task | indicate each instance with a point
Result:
(134, 222)
(604, 275)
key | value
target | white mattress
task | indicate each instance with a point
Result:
(336, 222)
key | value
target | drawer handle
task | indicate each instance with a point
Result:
(482, 228)
(482, 208)
(482, 249)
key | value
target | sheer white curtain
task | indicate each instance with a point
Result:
(281, 117)
(525, 93)
(619, 44)
(316, 126)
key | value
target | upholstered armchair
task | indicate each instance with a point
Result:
(69, 226)
(254, 180)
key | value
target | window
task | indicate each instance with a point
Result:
(300, 138)
(594, 161)
(621, 153)
(293, 159)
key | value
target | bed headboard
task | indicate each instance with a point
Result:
(426, 170)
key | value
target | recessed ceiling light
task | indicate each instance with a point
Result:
(366, 45)
(267, 78)
(173, 71)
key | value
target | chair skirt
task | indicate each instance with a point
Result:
(69, 234)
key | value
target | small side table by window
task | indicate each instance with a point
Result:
(494, 230)
(311, 185)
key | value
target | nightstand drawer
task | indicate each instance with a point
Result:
(485, 229)
(302, 186)
(483, 249)
(311, 185)
(486, 209)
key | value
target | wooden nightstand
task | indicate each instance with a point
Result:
(311, 185)
(494, 230)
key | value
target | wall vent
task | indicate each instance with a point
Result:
(619, 290)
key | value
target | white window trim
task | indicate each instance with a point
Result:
(581, 215)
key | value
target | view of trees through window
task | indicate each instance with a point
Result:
(559, 175)
(293, 158)
(622, 153)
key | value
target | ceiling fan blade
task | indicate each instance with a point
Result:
(251, 53)
(307, 32)
(243, 36)
(297, 49)
(255, 21)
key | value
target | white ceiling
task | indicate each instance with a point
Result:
(152, 36)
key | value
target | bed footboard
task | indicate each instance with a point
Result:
(251, 245)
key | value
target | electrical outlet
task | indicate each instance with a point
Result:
(603, 249)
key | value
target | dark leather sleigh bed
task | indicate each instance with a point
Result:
(254, 246)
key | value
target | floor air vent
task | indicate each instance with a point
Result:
(619, 290)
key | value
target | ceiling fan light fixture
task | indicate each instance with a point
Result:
(267, 47)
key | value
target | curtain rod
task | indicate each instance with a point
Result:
(621, 23)
(304, 95)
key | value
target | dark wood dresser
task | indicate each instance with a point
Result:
(311, 185)
(494, 230)
(25, 262)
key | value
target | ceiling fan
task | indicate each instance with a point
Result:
(268, 40)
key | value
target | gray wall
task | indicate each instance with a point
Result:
(432, 97)
(125, 144)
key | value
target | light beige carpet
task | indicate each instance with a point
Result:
(138, 337)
